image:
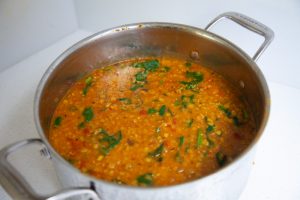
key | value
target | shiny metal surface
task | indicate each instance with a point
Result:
(20, 189)
(145, 40)
(250, 24)
(18, 184)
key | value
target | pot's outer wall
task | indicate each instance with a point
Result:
(223, 185)
(155, 39)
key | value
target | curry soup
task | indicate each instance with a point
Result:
(151, 122)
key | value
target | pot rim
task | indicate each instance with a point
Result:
(137, 26)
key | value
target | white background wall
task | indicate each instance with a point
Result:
(27, 26)
(279, 63)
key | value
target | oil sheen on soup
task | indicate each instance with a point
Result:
(151, 122)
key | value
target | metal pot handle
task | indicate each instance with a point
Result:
(19, 188)
(250, 24)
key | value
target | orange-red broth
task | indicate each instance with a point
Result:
(151, 122)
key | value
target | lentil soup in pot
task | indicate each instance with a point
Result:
(152, 122)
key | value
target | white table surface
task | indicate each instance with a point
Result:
(276, 168)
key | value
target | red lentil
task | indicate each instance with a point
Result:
(151, 122)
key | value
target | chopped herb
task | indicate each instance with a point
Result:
(245, 115)
(145, 179)
(165, 69)
(108, 142)
(157, 153)
(188, 64)
(150, 65)
(152, 111)
(57, 121)
(178, 157)
(177, 103)
(192, 98)
(181, 141)
(88, 84)
(228, 113)
(210, 128)
(81, 125)
(126, 101)
(189, 123)
(225, 110)
(88, 80)
(196, 77)
(185, 101)
(189, 85)
(162, 110)
(141, 76)
(187, 148)
(199, 138)
(210, 141)
(169, 111)
(136, 86)
(221, 158)
(236, 121)
(88, 114)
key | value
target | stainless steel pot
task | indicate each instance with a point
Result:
(144, 40)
